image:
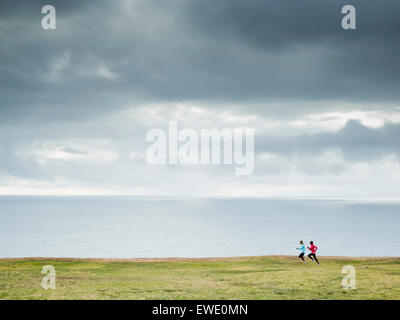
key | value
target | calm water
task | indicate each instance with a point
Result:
(149, 227)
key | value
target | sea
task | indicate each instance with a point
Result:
(147, 227)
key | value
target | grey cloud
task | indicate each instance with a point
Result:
(73, 151)
(243, 51)
(277, 59)
(14, 165)
(355, 141)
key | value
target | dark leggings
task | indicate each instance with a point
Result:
(301, 256)
(312, 256)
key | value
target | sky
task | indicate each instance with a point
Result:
(76, 102)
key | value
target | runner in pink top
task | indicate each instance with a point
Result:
(313, 250)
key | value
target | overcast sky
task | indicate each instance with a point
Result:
(76, 102)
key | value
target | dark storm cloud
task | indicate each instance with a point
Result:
(355, 141)
(21, 9)
(106, 55)
(302, 50)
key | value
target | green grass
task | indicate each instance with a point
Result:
(230, 278)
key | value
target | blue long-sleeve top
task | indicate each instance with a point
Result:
(302, 248)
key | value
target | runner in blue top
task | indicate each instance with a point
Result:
(302, 248)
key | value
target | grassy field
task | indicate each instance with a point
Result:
(269, 277)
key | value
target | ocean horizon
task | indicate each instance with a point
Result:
(159, 227)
